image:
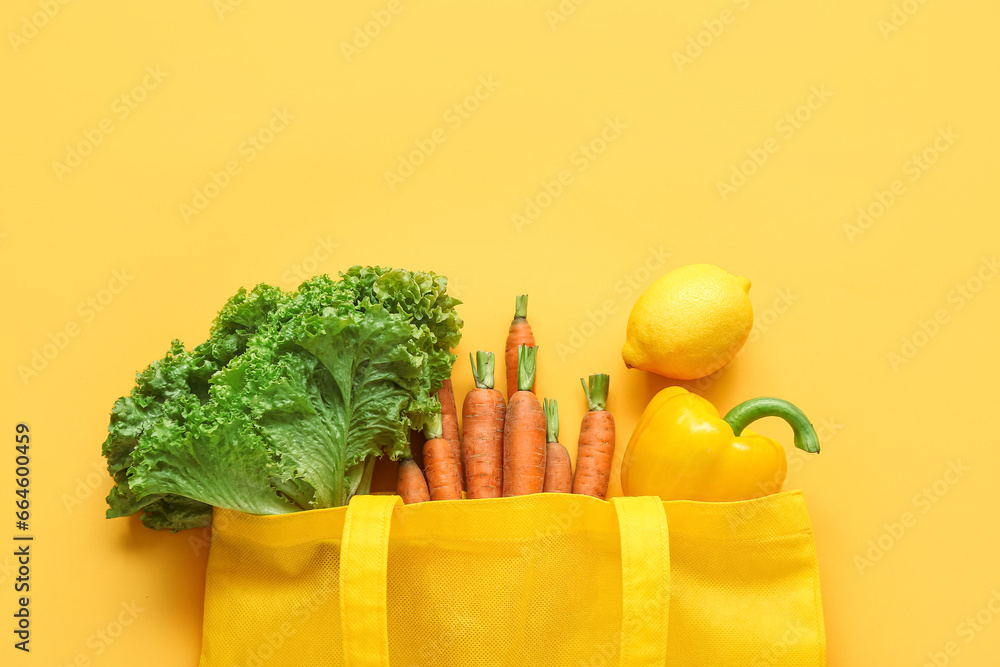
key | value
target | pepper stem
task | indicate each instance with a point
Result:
(526, 366)
(597, 393)
(757, 408)
(551, 407)
(433, 428)
(482, 369)
(521, 307)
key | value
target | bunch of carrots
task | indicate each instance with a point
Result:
(509, 447)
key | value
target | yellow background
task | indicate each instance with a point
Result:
(832, 305)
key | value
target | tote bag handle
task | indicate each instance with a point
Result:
(645, 581)
(364, 567)
(364, 560)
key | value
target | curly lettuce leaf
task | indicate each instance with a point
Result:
(178, 378)
(173, 512)
(239, 319)
(376, 362)
(420, 297)
(215, 458)
(160, 393)
(288, 403)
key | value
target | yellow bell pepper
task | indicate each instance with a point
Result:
(682, 450)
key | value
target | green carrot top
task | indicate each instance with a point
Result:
(521, 307)
(597, 392)
(551, 407)
(433, 428)
(482, 369)
(526, 366)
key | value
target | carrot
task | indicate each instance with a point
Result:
(524, 433)
(449, 424)
(442, 469)
(410, 483)
(482, 438)
(597, 441)
(558, 468)
(518, 334)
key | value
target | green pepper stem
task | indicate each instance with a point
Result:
(521, 307)
(597, 393)
(482, 369)
(433, 428)
(757, 408)
(551, 407)
(526, 366)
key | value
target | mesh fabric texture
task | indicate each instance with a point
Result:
(520, 582)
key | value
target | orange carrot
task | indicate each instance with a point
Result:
(482, 439)
(440, 466)
(597, 441)
(524, 433)
(449, 424)
(410, 483)
(558, 468)
(518, 334)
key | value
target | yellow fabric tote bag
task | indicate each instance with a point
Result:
(553, 580)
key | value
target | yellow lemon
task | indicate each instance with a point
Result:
(689, 323)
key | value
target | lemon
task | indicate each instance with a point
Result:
(689, 323)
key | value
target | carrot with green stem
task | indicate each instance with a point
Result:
(597, 441)
(442, 469)
(483, 417)
(518, 334)
(524, 432)
(449, 423)
(558, 467)
(410, 483)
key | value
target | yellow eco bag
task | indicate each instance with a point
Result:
(554, 580)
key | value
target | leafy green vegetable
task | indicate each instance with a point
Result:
(288, 403)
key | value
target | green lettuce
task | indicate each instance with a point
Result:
(288, 403)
